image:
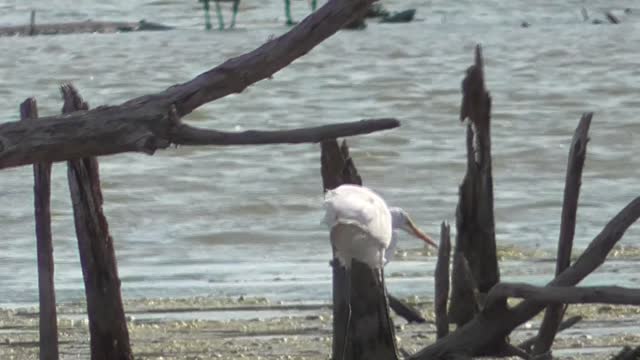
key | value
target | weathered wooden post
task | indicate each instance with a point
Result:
(362, 327)
(577, 154)
(107, 323)
(475, 238)
(441, 291)
(48, 326)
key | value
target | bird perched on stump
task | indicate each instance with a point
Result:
(362, 226)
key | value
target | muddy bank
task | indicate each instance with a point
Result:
(210, 328)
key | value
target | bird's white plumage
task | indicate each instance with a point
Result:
(360, 223)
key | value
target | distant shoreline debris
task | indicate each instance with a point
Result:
(88, 26)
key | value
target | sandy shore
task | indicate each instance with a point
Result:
(208, 328)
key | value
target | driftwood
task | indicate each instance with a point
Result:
(107, 323)
(151, 122)
(487, 332)
(48, 327)
(88, 26)
(564, 295)
(479, 336)
(577, 154)
(442, 282)
(528, 344)
(475, 237)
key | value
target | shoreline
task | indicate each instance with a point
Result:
(206, 328)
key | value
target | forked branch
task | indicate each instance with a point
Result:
(150, 122)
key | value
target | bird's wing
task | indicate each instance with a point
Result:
(356, 205)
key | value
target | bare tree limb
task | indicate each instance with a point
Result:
(527, 344)
(187, 135)
(565, 295)
(577, 154)
(483, 334)
(147, 123)
(48, 322)
(442, 282)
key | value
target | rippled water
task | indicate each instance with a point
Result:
(246, 220)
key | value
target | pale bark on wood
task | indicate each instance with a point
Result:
(564, 295)
(483, 334)
(475, 236)
(577, 154)
(442, 282)
(107, 323)
(48, 324)
(152, 122)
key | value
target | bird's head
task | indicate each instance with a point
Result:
(400, 219)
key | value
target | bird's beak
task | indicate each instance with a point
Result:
(419, 234)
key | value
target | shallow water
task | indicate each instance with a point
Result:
(230, 221)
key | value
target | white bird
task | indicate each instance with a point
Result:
(362, 226)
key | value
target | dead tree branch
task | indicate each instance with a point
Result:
(577, 154)
(564, 295)
(480, 335)
(528, 344)
(48, 325)
(149, 122)
(442, 282)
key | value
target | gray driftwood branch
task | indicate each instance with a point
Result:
(151, 122)
(565, 295)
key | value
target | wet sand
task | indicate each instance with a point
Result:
(210, 328)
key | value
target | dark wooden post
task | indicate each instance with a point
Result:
(442, 282)
(107, 323)
(577, 154)
(475, 237)
(362, 327)
(48, 326)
